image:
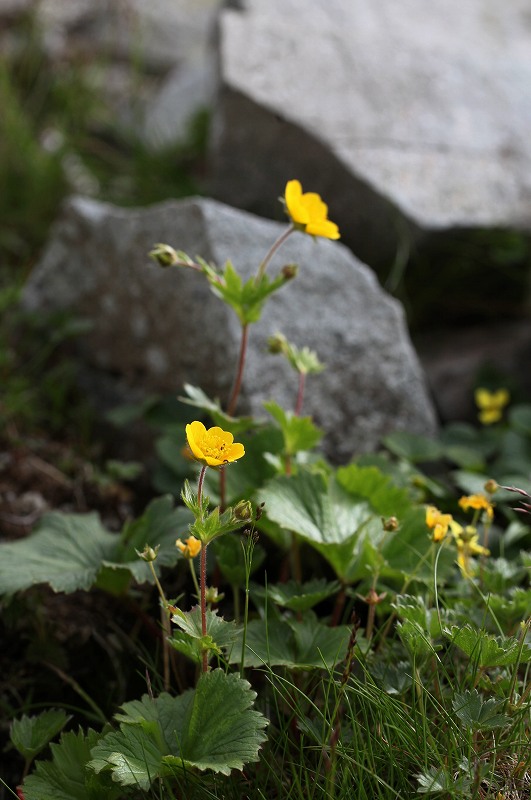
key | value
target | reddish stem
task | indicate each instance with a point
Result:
(271, 252)
(203, 565)
(239, 375)
(300, 393)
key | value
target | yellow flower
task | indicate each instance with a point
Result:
(438, 523)
(190, 547)
(491, 404)
(477, 502)
(466, 540)
(213, 447)
(308, 212)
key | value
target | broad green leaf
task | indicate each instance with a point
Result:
(297, 596)
(415, 610)
(487, 650)
(299, 432)
(475, 712)
(65, 777)
(520, 418)
(30, 735)
(413, 447)
(210, 727)
(74, 551)
(371, 484)
(320, 512)
(67, 552)
(296, 644)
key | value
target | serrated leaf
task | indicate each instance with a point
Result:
(475, 712)
(301, 644)
(223, 632)
(299, 433)
(30, 735)
(487, 650)
(74, 551)
(210, 727)
(297, 596)
(65, 777)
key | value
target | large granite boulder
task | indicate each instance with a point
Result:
(409, 117)
(156, 329)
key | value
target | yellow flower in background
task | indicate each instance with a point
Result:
(491, 404)
(477, 502)
(308, 212)
(438, 523)
(213, 447)
(466, 541)
(190, 548)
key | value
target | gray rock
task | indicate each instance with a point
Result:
(406, 116)
(157, 329)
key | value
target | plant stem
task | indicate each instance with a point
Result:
(271, 252)
(203, 564)
(300, 393)
(239, 375)
(165, 622)
(194, 578)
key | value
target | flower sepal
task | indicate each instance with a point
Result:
(190, 500)
(215, 524)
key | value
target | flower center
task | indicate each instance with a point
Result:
(213, 446)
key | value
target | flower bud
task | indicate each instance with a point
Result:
(491, 486)
(243, 510)
(190, 548)
(212, 595)
(289, 271)
(149, 553)
(390, 524)
(277, 343)
(164, 255)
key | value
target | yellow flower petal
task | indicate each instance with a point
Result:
(308, 212)
(213, 447)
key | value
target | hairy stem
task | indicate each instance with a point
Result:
(271, 252)
(239, 375)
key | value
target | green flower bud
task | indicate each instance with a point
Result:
(149, 553)
(164, 255)
(289, 271)
(243, 510)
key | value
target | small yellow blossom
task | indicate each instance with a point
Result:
(308, 212)
(477, 502)
(190, 548)
(491, 404)
(213, 447)
(438, 523)
(466, 540)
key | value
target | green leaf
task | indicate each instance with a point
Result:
(297, 596)
(30, 735)
(299, 433)
(296, 644)
(74, 551)
(222, 633)
(413, 447)
(487, 650)
(196, 397)
(67, 552)
(370, 483)
(65, 777)
(415, 640)
(210, 727)
(475, 712)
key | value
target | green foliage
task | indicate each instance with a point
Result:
(296, 596)
(74, 551)
(477, 713)
(211, 727)
(189, 639)
(65, 777)
(486, 650)
(299, 433)
(30, 735)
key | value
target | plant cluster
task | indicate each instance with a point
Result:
(385, 650)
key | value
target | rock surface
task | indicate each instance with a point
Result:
(157, 329)
(406, 116)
